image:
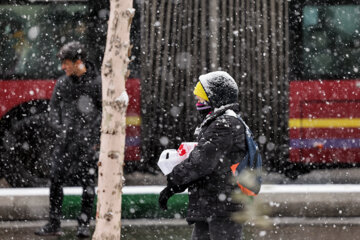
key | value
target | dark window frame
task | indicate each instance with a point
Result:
(296, 62)
(89, 38)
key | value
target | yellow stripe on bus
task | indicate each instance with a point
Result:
(133, 121)
(324, 123)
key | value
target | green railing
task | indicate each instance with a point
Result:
(134, 206)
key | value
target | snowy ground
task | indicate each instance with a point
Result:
(329, 228)
(324, 176)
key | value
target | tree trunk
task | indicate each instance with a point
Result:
(115, 101)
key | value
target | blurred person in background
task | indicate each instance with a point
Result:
(75, 113)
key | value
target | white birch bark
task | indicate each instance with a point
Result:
(115, 100)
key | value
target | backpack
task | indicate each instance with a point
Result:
(248, 171)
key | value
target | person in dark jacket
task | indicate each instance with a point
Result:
(75, 113)
(206, 172)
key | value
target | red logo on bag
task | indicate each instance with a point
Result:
(182, 150)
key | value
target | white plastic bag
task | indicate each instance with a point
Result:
(169, 158)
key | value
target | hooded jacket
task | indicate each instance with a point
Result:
(75, 107)
(221, 143)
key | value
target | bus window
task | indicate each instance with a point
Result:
(330, 42)
(33, 34)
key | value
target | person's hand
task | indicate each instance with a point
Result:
(168, 192)
(165, 194)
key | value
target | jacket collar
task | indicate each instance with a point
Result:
(91, 72)
(215, 114)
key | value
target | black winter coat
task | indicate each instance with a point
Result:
(75, 107)
(207, 173)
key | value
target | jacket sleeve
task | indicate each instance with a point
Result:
(205, 157)
(98, 101)
(98, 105)
(55, 105)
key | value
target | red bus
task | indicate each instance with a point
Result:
(31, 34)
(324, 107)
(324, 92)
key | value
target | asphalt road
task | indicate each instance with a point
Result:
(284, 228)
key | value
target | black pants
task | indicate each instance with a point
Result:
(216, 229)
(78, 163)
